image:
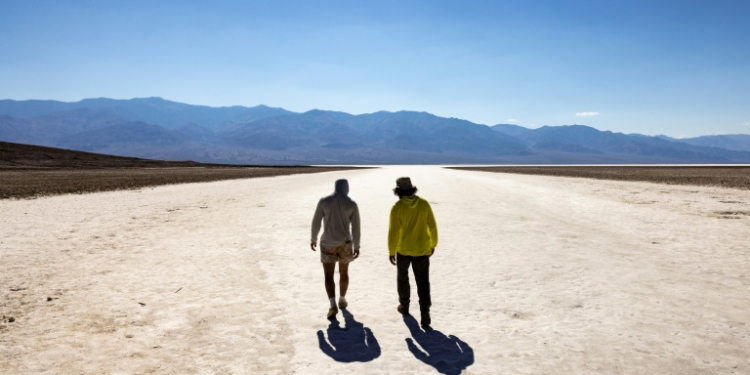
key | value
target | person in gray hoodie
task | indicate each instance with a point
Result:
(338, 212)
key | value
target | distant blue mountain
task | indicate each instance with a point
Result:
(155, 111)
(158, 128)
(136, 134)
(400, 131)
(581, 139)
(510, 129)
(736, 142)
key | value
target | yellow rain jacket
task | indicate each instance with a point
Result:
(412, 229)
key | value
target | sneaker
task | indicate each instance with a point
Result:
(342, 303)
(403, 309)
(426, 321)
(332, 312)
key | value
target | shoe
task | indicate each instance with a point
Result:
(332, 312)
(343, 304)
(403, 309)
(426, 321)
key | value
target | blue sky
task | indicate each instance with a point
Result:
(680, 68)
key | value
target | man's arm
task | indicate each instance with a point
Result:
(355, 227)
(355, 231)
(432, 227)
(394, 232)
(316, 225)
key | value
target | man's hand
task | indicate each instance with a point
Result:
(392, 258)
(355, 254)
(432, 251)
(313, 244)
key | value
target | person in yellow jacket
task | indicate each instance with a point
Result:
(412, 238)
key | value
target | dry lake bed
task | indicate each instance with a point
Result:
(532, 275)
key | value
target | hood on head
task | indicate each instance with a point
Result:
(342, 187)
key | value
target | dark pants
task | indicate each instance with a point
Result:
(421, 268)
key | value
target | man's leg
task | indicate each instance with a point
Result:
(421, 267)
(343, 283)
(328, 269)
(343, 278)
(402, 279)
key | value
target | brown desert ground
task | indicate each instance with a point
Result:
(32, 171)
(532, 275)
(722, 176)
(25, 157)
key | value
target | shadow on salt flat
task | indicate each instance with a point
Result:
(447, 354)
(352, 343)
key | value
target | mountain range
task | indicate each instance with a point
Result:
(155, 128)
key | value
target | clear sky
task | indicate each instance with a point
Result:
(680, 68)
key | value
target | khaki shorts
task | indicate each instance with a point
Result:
(341, 254)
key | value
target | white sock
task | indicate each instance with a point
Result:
(333, 301)
(342, 299)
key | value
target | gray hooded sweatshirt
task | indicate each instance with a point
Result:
(338, 212)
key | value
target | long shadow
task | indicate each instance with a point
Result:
(353, 343)
(447, 354)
